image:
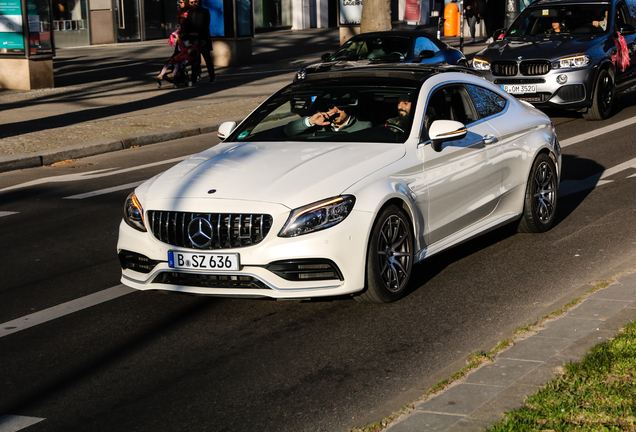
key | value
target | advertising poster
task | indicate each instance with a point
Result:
(217, 24)
(412, 10)
(11, 25)
(350, 12)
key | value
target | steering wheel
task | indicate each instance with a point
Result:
(395, 127)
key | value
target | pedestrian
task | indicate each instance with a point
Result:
(494, 17)
(196, 29)
(474, 11)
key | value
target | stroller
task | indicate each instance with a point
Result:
(185, 55)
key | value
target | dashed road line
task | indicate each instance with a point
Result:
(13, 423)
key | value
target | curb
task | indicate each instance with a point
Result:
(47, 157)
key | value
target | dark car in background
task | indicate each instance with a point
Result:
(581, 67)
(400, 46)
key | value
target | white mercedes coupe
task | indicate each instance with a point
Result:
(338, 184)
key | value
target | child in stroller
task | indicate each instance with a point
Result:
(187, 54)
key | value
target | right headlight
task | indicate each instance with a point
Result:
(134, 213)
(317, 216)
(481, 65)
(572, 62)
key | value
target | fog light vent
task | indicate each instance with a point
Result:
(306, 269)
(134, 261)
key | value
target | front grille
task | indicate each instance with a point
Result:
(225, 230)
(504, 68)
(535, 67)
(536, 97)
(209, 281)
(521, 81)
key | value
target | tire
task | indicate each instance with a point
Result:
(541, 197)
(602, 99)
(389, 257)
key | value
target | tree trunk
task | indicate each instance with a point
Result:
(376, 16)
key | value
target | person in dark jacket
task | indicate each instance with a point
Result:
(474, 12)
(196, 29)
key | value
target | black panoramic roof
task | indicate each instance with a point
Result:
(403, 71)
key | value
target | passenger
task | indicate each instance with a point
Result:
(557, 28)
(338, 118)
(402, 119)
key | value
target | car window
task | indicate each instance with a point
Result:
(561, 19)
(486, 101)
(424, 44)
(622, 16)
(371, 114)
(450, 102)
(631, 6)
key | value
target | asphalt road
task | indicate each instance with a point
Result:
(147, 361)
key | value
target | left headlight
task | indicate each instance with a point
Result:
(134, 213)
(572, 62)
(317, 216)
(481, 65)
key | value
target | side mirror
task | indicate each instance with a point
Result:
(442, 131)
(627, 29)
(499, 34)
(425, 54)
(226, 129)
(326, 57)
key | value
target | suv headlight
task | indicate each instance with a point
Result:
(481, 65)
(134, 213)
(572, 62)
(317, 216)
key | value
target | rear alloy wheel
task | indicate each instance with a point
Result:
(389, 257)
(602, 99)
(541, 197)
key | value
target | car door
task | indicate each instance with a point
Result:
(464, 179)
(627, 15)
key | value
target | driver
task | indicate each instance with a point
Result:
(404, 109)
(338, 118)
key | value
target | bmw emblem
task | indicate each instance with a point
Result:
(200, 232)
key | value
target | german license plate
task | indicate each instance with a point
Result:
(519, 89)
(203, 261)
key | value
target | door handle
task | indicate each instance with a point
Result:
(490, 139)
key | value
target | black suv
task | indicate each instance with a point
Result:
(566, 54)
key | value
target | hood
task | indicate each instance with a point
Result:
(540, 47)
(288, 173)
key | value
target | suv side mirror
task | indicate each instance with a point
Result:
(442, 131)
(499, 34)
(627, 29)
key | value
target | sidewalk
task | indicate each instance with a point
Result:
(106, 99)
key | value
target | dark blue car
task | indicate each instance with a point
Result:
(401, 46)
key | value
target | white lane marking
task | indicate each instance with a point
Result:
(597, 132)
(12, 423)
(90, 175)
(7, 213)
(569, 187)
(63, 309)
(105, 191)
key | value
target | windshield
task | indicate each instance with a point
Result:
(566, 19)
(363, 48)
(369, 113)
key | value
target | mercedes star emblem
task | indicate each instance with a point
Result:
(200, 232)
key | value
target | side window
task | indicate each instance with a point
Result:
(487, 102)
(622, 17)
(631, 5)
(448, 103)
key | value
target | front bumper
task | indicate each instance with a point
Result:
(335, 258)
(560, 88)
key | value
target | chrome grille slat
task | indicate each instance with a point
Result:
(228, 230)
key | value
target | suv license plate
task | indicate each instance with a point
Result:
(203, 261)
(519, 89)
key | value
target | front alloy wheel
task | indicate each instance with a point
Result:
(389, 258)
(541, 197)
(602, 99)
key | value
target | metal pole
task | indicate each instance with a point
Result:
(461, 26)
(512, 11)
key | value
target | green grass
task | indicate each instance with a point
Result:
(596, 394)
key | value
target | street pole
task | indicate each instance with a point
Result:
(512, 11)
(461, 25)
